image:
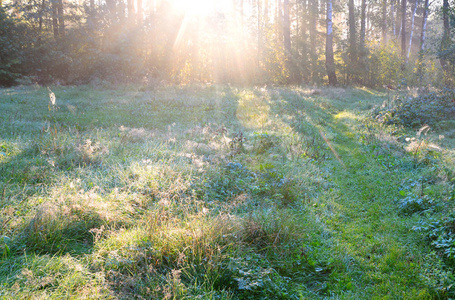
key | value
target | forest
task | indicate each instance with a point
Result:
(227, 149)
(369, 43)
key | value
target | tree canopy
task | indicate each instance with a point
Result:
(372, 43)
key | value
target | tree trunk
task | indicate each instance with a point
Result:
(362, 24)
(392, 8)
(306, 72)
(414, 9)
(260, 47)
(403, 28)
(313, 20)
(329, 60)
(422, 40)
(445, 42)
(54, 18)
(286, 29)
(40, 21)
(61, 18)
(352, 39)
(424, 25)
(384, 22)
(362, 27)
(362, 48)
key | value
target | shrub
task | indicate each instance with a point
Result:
(433, 109)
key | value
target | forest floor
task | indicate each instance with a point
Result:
(216, 192)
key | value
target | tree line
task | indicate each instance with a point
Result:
(336, 42)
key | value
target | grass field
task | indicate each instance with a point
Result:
(217, 192)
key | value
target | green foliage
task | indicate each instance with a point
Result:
(254, 278)
(414, 204)
(385, 66)
(12, 34)
(436, 110)
(441, 234)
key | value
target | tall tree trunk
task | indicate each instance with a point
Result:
(422, 40)
(329, 60)
(297, 23)
(445, 42)
(40, 20)
(392, 13)
(61, 18)
(362, 27)
(362, 48)
(403, 28)
(368, 21)
(414, 9)
(313, 20)
(260, 33)
(286, 29)
(54, 18)
(362, 24)
(287, 37)
(352, 39)
(384, 22)
(306, 72)
(424, 25)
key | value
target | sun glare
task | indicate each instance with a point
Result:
(201, 7)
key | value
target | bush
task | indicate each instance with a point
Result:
(433, 109)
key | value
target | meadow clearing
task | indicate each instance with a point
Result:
(221, 192)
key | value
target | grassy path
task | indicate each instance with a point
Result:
(381, 254)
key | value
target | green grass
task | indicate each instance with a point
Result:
(219, 192)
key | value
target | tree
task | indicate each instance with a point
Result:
(329, 62)
(363, 50)
(384, 22)
(424, 26)
(313, 32)
(422, 40)
(352, 38)
(55, 18)
(286, 29)
(392, 13)
(61, 18)
(414, 9)
(445, 41)
(403, 28)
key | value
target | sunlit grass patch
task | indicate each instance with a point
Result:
(253, 110)
(65, 222)
(37, 277)
(218, 254)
